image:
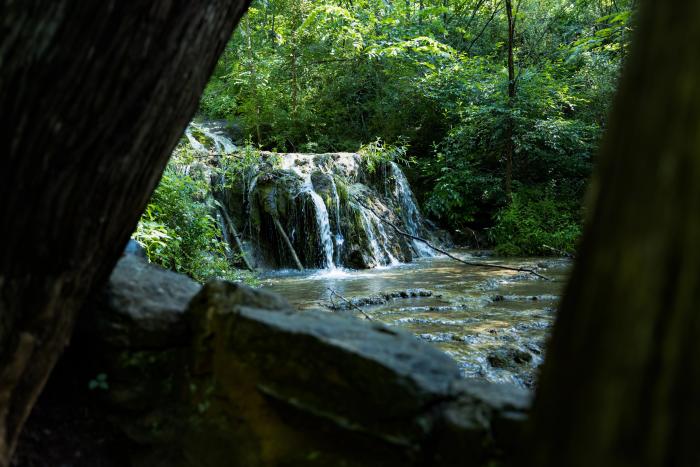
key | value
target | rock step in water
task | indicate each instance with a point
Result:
(380, 299)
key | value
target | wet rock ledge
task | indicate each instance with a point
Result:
(380, 299)
(225, 375)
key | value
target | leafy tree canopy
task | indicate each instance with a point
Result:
(432, 76)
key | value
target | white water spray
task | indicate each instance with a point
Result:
(221, 143)
(410, 213)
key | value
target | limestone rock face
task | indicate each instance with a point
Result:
(135, 333)
(238, 378)
(329, 206)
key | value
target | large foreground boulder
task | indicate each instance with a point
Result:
(143, 306)
(239, 378)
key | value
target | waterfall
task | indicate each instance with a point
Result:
(324, 228)
(221, 143)
(224, 234)
(409, 211)
(380, 250)
(339, 239)
(362, 240)
(385, 240)
(322, 219)
(373, 243)
(196, 145)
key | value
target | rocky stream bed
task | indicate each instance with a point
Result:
(494, 323)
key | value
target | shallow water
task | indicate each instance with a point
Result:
(494, 323)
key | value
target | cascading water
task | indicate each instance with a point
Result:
(385, 240)
(357, 237)
(196, 145)
(382, 246)
(221, 143)
(224, 232)
(322, 220)
(324, 229)
(410, 213)
(339, 239)
(374, 244)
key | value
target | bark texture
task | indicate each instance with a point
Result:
(621, 384)
(94, 96)
(511, 98)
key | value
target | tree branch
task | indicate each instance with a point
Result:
(229, 225)
(449, 255)
(483, 29)
(333, 292)
(559, 252)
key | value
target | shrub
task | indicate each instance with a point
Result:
(178, 231)
(377, 153)
(533, 221)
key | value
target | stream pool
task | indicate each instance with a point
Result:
(493, 322)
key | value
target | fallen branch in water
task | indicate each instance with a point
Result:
(476, 239)
(333, 292)
(440, 250)
(560, 252)
(271, 208)
(290, 247)
(229, 225)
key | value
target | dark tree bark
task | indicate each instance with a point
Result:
(621, 384)
(94, 97)
(296, 20)
(511, 97)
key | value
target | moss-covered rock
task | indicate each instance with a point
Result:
(360, 238)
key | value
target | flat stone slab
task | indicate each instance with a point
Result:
(363, 376)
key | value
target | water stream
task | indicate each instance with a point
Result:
(324, 229)
(214, 138)
(494, 323)
(411, 215)
(339, 239)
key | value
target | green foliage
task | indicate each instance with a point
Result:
(179, 232)
(377, 153)
(99, 382)
(217, 102)
(608, 34)
(429, 79)
(461, 191)
(532, 222)
(241, 165)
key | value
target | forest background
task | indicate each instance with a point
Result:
(494, 108)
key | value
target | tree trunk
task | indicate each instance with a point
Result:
(231, 227)
(294, 56)
(621, 384)
(511, 98)
(290, 247)
(253, 78)
(95, 95)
